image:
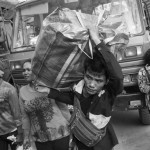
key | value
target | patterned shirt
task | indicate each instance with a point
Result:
(42, 116)
(10, 116)
(144, 83)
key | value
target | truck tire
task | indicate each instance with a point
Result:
(144, 115)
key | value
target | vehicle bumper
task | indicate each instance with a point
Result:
(129, 101)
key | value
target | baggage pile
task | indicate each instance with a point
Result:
(63, 45)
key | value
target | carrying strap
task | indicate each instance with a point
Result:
(78, 14)
(77, 102)
(78, 106)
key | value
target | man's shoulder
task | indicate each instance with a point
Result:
(7, 84)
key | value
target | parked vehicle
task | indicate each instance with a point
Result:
(135, 22)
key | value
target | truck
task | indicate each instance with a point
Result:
(135, 19)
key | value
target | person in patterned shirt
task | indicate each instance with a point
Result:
(143, 79)
(43, 121)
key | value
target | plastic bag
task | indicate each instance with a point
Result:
(63, 45)
(61, 48)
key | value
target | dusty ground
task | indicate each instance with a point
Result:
(131, 133)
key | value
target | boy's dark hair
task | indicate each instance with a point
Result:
(97, 64)
(147, 57)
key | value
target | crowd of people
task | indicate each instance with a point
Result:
(33, 117)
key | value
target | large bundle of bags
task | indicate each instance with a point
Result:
(62, 46)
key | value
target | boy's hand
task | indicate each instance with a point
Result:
(42, 89)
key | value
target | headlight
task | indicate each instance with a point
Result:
(133, 51)
(127, 79)
(130, 78)
(15, 65)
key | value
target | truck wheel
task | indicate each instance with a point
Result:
(144, 115)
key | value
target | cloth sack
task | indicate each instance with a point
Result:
(83, 129)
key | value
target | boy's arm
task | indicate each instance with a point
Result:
(14, 106)
(64, 97)
(115, 84)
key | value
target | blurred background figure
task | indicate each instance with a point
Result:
(10, 118)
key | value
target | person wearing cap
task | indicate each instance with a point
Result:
(10, 118)
(102, 81)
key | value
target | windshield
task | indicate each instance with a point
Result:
(5, 36)
(28, 24)
(119, 15)
(28, 31)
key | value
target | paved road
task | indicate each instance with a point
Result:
(131, 133)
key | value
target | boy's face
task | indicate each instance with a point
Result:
(94, 82)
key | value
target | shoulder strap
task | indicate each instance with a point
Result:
(2, 35)
(78, 106)
(148, 75)
(76, 102)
